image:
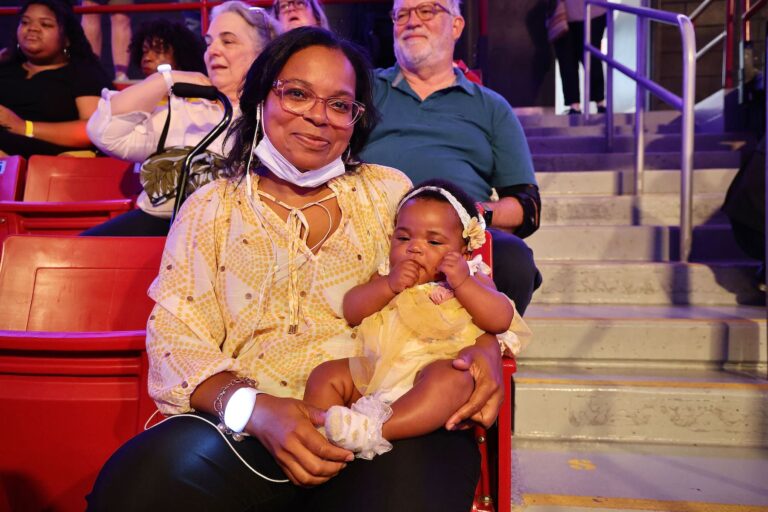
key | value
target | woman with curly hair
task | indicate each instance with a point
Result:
(163, 41)
(49, 82)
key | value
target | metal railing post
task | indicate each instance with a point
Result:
(684, 104)
(686, 156)
(730, 15)
(204, 17)
(609, 82)
(587, 60)
(640, 66)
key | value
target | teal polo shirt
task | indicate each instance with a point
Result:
(466, 134)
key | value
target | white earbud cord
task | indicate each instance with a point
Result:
(223, 436)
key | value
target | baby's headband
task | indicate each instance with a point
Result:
(474, 225)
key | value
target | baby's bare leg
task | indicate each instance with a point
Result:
(330, 383)
(438, 391)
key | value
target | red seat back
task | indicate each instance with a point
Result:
(64, 178)
(77, 283)
(12, 174)
(70, 399)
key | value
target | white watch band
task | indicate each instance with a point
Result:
(165, 71)
(239, 408)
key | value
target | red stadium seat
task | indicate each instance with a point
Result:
(496, 465)
(66, 195)
(82, 389)
(12, 173)
(73, 366)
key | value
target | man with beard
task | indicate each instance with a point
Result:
(437, 124)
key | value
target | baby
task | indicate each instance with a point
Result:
(423, 306)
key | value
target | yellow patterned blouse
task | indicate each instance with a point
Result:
(223, 290)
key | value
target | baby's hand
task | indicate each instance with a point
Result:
(455, 268)
(404, 275)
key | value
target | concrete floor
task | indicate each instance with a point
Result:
(559, 476)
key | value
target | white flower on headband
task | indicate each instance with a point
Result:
(474, 233)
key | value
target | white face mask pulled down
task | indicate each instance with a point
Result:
(271, 158)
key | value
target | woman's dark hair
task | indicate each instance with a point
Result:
(187, 47)
(264, 72)
(462, 197)
(79, 48)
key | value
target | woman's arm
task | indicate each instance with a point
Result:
(145, 95)
(65, 133)
(490, 309)
(128, 124)
(286, 427)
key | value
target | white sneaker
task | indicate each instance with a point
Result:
(359, 429)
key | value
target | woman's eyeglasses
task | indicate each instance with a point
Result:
(299, 99)
(425, 12)
(296, 4)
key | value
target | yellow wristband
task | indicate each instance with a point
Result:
(29, 129)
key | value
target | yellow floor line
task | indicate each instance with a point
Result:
(636, 504)
(642, 383)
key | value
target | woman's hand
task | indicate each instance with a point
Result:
(286, 427)
(483, 361)
(10, 121)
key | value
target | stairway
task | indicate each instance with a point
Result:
(641, 365)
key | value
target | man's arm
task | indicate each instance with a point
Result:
(517, 210)
(513, 175)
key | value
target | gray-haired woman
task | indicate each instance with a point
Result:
(128, 124)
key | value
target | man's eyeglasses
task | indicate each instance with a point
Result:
(299, 99)
(296, 4)
(425, 12)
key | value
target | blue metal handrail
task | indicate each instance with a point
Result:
(682, 103)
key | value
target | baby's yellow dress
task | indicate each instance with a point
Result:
(411, 332)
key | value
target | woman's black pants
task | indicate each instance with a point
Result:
(570, 51)
(185, 464)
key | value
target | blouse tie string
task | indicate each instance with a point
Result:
(298, 233)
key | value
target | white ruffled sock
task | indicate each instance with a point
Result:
(359, 429)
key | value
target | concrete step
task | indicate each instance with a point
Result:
(614, 182)
(632, 243)
(651, 209)
(647, 283)
(624, 161)
(596, 130)
(626, 143)
(550, 476)
(666, 118)
(691, 407)
(682, 337)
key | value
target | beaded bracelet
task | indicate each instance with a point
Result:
(218, 406)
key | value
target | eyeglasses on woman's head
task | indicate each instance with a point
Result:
(287, 4)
